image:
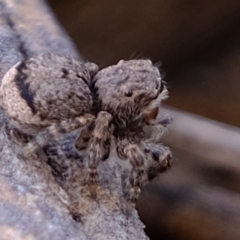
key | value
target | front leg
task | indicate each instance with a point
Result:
(100, 144)
(147, 158)
(158, 158)
(127, 149)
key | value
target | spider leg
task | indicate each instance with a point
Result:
(85, 136)
(99, 146)
(54, 130)
(137, 177)
(156, 128)
(17, 134)
(158, 158)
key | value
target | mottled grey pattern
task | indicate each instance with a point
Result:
(130, 94)
(46, 95)
(131, 91)
(49, 95)
(46, 89)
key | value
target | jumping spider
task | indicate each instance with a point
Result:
(49, 95)
(131, 92)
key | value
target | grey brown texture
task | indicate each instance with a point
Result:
(130, 91)
(27, 186)
(48, 95)
(46, 89)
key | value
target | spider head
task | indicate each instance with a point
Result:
(131, 91)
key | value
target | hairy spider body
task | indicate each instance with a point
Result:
(132, 91)
(49, 95)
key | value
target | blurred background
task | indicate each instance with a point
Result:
(198, 46)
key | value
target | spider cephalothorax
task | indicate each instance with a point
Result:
(131, 91)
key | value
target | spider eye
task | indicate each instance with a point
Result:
(128, 93)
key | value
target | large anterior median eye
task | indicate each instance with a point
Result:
(128, 93)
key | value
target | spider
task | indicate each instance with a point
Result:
(49, 95)
(130, 94)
